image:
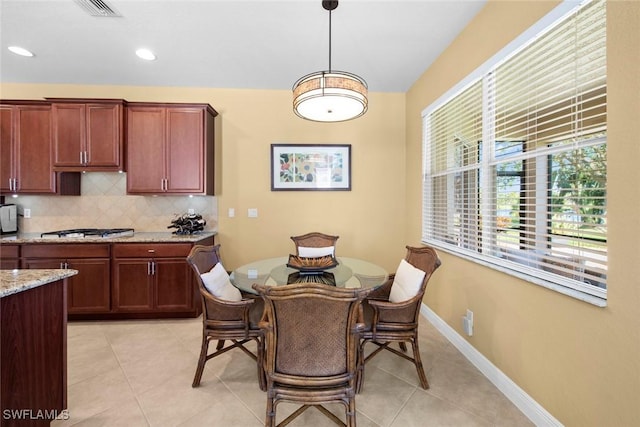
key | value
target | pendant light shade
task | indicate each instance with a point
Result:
(330, 96)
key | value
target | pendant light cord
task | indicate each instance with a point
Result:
(329, 40)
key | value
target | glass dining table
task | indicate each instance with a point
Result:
(349, 273)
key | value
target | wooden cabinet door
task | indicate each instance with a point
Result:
(132, 285)
(34, 165)
(87, 136)
(7, 147)
(185, 150)
(68, 134)
(89, 290)
(104, 135)
(174, 286)
(146, 150)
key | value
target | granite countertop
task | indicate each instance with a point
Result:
(15, 281)
(138, 237)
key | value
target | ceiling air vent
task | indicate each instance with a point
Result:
(98, 8)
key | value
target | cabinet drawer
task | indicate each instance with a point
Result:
(150, 250)
(9, 251)
(68, 250)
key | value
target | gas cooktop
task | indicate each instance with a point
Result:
(88, 232)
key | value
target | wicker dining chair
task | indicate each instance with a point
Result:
(315, 244)
(397, 322)
(223, 320)
(311, 344)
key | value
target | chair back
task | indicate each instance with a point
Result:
(426, 259)
(216, 311)
(315, 240)
(311, 333)
(203, 258)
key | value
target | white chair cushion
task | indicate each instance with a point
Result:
(307, 252)
(218, 283)
(406, 283)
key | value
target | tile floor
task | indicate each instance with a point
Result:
(139, 373)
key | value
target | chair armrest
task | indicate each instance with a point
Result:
(387, 305)
(230, 310)
(395, 312)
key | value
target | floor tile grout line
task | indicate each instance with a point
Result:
(261, 420)
(404, 405)
(126, 377)
(111, 407)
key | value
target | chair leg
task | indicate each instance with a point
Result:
(403, 346)
(418, 362)
(262, 380)
(360, 367)
(270, 417)
(220, 345)
(351, 413)
(201, 361)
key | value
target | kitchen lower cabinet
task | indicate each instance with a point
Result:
(118, 280)
(9, 257)
(154, 280)
(89, 290)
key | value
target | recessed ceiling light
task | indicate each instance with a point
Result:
(20, 51)
(146, 54)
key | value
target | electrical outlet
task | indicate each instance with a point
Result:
(252, 213)
(467, 326)
(467, 323)
(27, 213)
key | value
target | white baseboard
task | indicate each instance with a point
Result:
(529, 407)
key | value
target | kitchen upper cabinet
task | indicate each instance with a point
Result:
(88, 135)
(26, 148)
(89, 290)
(170, 148)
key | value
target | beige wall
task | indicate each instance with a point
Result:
(580, 362)
(368, 218)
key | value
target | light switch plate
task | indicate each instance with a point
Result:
(252, 213)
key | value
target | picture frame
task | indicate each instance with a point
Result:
(317, 167)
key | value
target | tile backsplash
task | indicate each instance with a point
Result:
(105, 204)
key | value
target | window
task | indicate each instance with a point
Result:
(515, 162)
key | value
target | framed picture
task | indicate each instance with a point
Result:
(323, 167)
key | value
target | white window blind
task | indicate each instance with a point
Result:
(531, 199)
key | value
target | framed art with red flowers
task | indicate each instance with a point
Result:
(324, 167)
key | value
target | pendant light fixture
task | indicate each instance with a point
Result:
(330, 96)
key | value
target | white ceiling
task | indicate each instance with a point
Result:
(256, 44)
